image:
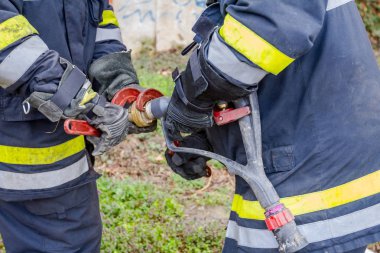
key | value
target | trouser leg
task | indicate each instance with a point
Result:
(67, 223)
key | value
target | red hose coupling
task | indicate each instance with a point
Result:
(279, 219)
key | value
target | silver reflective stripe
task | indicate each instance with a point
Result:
(251, 237)
(222, 58)
(43, 180)
(314, 232)
(20, 60)
(103, 34)
(332, 4)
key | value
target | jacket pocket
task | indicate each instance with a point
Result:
(279, 159)
(58, 206)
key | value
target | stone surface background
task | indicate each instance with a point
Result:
(165, 22)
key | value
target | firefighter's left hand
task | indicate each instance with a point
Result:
(190, 166)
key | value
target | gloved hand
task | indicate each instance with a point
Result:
(74, 98)
(112, 120)
(113, 72)
(196, 91)
(190, 166)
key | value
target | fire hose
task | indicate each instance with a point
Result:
(147, 106)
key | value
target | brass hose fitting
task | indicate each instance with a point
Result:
(140, 118)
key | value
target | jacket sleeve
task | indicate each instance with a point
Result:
(260, 37)
(26, 63)
(108, 35)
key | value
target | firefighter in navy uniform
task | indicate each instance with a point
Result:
(59, 59)
(318, 85)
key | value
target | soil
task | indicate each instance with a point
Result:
(141, 157)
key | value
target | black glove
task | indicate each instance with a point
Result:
(113, 72)
(113, 121)
(196, 91)
(190, 166)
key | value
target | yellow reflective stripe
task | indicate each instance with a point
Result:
(41, 156)
(316, 201)
(252, 46)
(14, 29)
(109, 18)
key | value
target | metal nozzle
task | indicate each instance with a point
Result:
(157, 107)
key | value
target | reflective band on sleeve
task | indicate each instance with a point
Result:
(221, 57)
(252, 46)
(14, 29)
(43, 180)
(41, 156)
(314, 232)
(103, 34)
(316, 201)
(109, 18)
(332, 4)
(20, 60)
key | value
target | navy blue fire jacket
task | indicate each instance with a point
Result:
(319, 93)
(37, 159)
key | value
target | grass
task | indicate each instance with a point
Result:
(141, 217)
(165, 215)
(157, 73)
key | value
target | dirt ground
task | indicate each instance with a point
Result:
(141, 158)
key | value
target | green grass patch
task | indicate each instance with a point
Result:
(157, 81)
(154, 69)
(216, 197)
(140, 217)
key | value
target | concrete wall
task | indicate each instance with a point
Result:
(166, 22)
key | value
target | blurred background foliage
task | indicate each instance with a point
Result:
(370, 11)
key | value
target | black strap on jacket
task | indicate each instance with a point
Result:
(181, 94)
(69, 88)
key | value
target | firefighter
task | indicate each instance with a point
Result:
(318, 85)
(54, 57)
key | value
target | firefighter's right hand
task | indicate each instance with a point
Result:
(190, 166)
(113, 121)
